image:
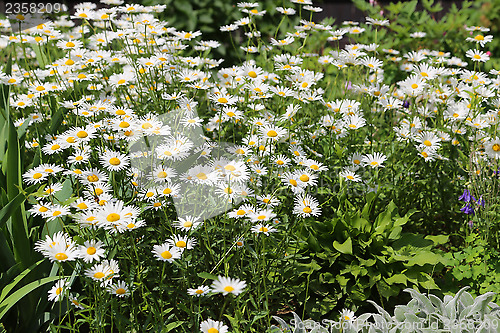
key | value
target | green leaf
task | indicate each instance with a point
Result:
(10, 301)
(8, 210)
(171, 326)
(207, 276)
(423, 258)
(397, 278)
(17, 279)
(345, 247)
(439, 239)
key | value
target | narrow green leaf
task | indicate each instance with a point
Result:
(17, 279)
(10, 301)
(8, 210)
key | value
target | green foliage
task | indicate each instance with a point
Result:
(476, 265)
(357, 255)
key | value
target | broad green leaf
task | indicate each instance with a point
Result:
(345, 247)
(397, 278)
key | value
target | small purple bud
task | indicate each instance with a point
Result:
(348, 85)
(406, 104)
(471, 224)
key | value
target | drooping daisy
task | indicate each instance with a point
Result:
(200, 291)
(60, 252)
(59, 290)
(263, 228)
(55, 211)
(166, 252)
(261, 215)
(227, 285)
(242, 211)
(74, 301)
(350, 175)
(119, 288)
(374, 160)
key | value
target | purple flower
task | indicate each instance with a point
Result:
(466, 196)
(406, 104)
(467, 209)
(471, 224)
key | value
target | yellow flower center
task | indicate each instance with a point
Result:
(496, 147)
(272, 133)
(91, 250)
(113, 217)
(213, 330)
(120, 291)
(228, 289)
(166, 255)
(99, 275)
(180, 243)
(187, 224)
(222, 100)
(263, 229)
(61, 256)
(304, 178)
(307, 210)
(37, 175)
(252, 74)
(201, 176)
(414, 86)
(427, 143)
(59, 291)
(82, 205)
(114, 161)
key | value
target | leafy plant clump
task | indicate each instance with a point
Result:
(149, 185)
